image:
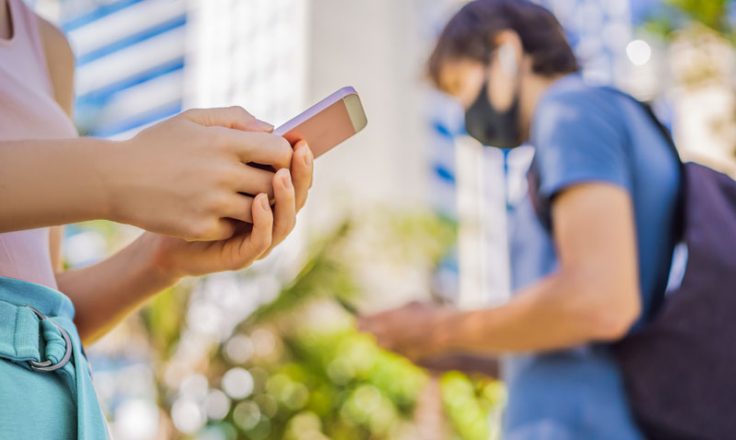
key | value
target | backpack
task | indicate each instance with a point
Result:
(679, 368)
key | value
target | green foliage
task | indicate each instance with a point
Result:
(317, 377)
(468, 404)
(336, 384)
(163, 318)
(679, 14)
(324, 274)
(711, 13)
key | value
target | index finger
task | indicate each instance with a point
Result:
(258, 147)
(230, 117)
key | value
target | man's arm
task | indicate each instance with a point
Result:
(593, 296)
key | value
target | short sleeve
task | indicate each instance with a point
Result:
(580, 137)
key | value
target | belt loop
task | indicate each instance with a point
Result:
(47, 365)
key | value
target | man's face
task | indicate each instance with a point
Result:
(463, 79)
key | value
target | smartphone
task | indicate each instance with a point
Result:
(327, 123)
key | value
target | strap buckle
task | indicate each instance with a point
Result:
(47, 365)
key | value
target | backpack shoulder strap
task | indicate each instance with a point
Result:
(541, 205)
(679, 226)
(647, 108)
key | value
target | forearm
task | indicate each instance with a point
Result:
(105, 293)
(52, 182)
(546, 316)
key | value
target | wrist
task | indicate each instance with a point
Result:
(104, 167)
(443, 331)
(157, 260)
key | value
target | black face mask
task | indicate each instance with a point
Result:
(491, 127)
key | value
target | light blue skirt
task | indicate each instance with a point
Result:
(46, 389)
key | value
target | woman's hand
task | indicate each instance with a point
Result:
(108, 291)
(186, 177)
(412, 330)
(176, 258)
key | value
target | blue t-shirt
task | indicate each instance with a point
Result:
(583, 134)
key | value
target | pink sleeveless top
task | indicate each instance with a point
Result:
(27, 111)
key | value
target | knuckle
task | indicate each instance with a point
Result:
(239, 112)
(284, 151)
(284, 146)
(262, 241)
(201, 230)
(226, 177)
(288, 223)
(236, 264)
(193, 114)
(265, 243)
(217, 137)
(218, 204)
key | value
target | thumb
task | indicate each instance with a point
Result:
(230, 117)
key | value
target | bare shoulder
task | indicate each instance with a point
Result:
(60, 62)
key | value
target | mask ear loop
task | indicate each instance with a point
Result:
(507, 59)
(507, 62)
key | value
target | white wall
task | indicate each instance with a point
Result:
(376, 47)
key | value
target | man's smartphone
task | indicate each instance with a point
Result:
(327, 123)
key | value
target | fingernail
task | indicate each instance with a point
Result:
(264, 202)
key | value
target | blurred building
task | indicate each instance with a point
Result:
(130, 62)
(140, 61)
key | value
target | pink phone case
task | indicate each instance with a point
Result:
(327, 123)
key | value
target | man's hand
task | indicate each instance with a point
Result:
(412, 330)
